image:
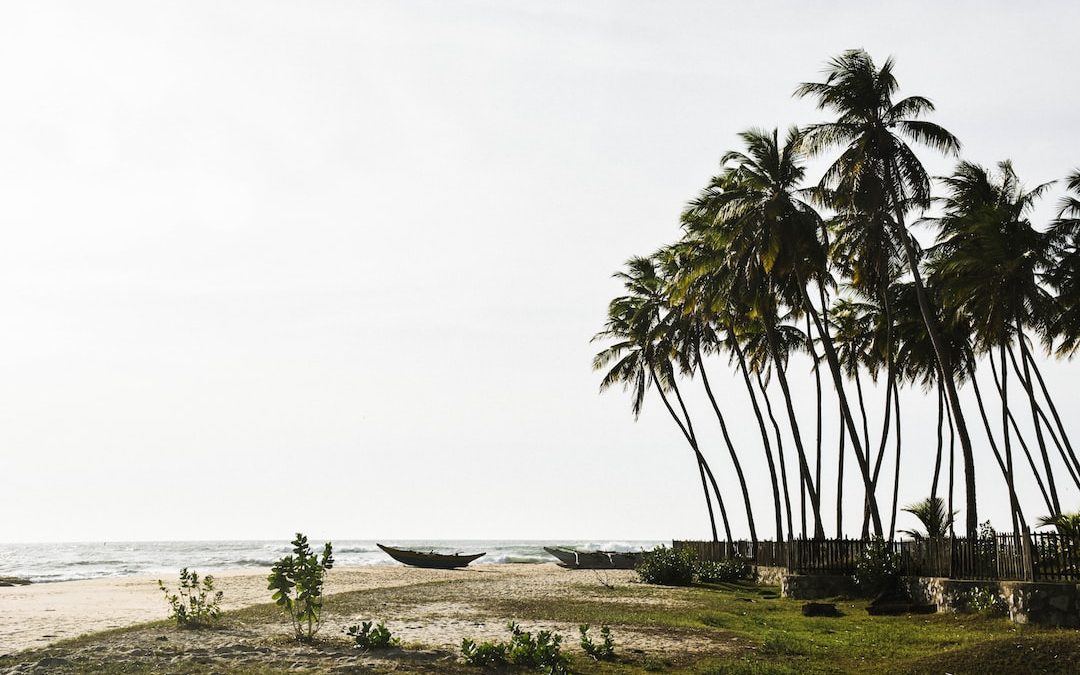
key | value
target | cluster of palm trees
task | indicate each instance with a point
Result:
(769, 265)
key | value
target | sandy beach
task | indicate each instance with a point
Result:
(427, 609)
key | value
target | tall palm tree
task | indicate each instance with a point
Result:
(877, 163)
(692, 333)
(639, 357)
(988, 262)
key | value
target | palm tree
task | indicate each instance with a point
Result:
(693, 334)
(934, 516)
(877, 164)
(987, 263)
(640, 357)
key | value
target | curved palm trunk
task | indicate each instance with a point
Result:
(1009, 479)
(940, 439)
(693, 446)
(804, 468)
(764, 437)
(943, 357)
(886, 425)
(1050, 482)
(1037, 414)
(896, 473)
(705, 464)
(817, 389)
(1004, 389)
(1016, 429)
(780, 454)
(1053, 409)
(952, 470)
(840, 483)
(731, 449)
(848, 418)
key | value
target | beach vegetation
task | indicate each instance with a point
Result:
(370, 637)
(297, 582)
(541, 651)
(668, 566)
(877, 570)
(195, 603)
(720, 571)
(602, 651)
(986, 601)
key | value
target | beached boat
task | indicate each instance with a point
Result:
(431, 559)
(594, 560)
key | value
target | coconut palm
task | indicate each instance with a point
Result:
(692, 334)
(772, 235)
(988, 262)
(878, 164)
(640, 357)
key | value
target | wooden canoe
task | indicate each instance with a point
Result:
(594, 560)
(432, 560)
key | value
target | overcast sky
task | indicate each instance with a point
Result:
(334, 266)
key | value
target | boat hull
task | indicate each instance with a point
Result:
(594, 560)
(429, 560)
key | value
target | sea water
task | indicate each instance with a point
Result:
(91, 560)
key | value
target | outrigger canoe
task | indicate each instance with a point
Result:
(594, 560)
(432, 560)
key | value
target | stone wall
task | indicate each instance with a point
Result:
(1038, 603)
(770, 576)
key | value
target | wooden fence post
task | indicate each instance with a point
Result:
(1027, 557)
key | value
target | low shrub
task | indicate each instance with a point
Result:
(541, 651)
(878, 568)
(605, 651)
(195, 604)
(297, 582)
(668, 566)
(369, 638)
(986, 601)
(722, 571)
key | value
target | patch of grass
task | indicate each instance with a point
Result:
(779, 643)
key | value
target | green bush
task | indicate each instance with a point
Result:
(297, 582)
(196, 604)
(540, 651)
(668, 566)
(605, 651)
(369, 638)
(878, 568)
(986, 601)
(721, 571)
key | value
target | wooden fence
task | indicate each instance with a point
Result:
(1042, 556)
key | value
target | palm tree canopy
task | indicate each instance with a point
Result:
(877, 165)
(933, 515)
(989, 258)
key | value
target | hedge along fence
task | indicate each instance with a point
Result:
(1041, 556)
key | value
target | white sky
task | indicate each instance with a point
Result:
(334, 266)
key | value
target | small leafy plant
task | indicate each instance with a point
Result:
(369, 638)
(668, 566)
(196, 604)
(605, 651)
(297, 582)
(987, 602)
(541, 651)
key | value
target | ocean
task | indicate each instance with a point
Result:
(85, 560)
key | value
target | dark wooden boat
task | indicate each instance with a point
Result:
(432, 560)
(594, 560)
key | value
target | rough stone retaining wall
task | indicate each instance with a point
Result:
(1038, 603)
